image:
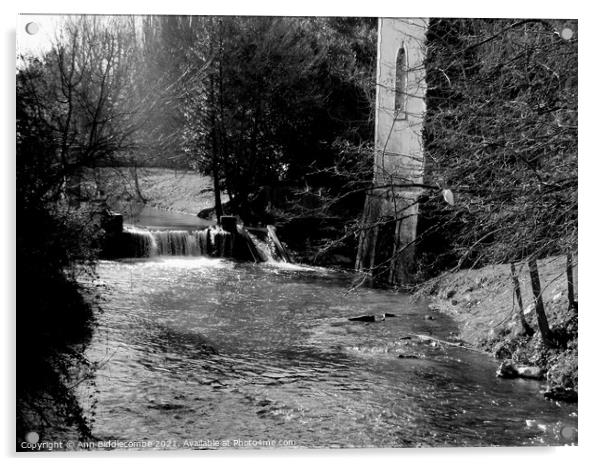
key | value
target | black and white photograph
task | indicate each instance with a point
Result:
(271, 232)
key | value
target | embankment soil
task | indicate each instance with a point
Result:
(483, 303)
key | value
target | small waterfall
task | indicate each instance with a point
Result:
(208, 242)
(216, 242)
(264, 249)
(204, 241)
(213, 242)
(141, 242)
(177, 243)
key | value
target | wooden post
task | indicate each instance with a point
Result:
(542, 320)
(228, 223)
(521, 312)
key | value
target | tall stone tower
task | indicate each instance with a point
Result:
(386, 243)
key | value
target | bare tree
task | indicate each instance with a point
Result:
(500, 133)
(519, 300)
(542, 321)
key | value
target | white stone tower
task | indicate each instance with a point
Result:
(386, 243)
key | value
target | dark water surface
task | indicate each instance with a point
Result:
(153, 218)
(200, 349)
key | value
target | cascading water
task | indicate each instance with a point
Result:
(141, 242)
(213, 241)
(204, 240)
(178, 243)
(263, 248)
(207, 242)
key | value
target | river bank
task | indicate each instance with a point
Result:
(483, 304)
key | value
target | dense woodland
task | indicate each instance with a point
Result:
(279, 111)
(501, 133)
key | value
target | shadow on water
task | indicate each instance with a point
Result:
(206, 348)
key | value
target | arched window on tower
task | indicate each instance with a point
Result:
(401, 82)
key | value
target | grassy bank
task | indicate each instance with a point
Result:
(174, 190)
(483, 303)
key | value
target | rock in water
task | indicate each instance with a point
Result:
(410, 356)
(369, 318)
(530, 372)
(568, 395)
(502, 350)
(507, 370)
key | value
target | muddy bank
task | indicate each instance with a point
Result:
(483, 303)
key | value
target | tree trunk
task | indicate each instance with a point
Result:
(542, 320)
(569, 279)
(215, 153)
(218, 199)
(519, 299)
(134, 172)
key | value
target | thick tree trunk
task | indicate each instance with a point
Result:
(519, 299)
(542, 320)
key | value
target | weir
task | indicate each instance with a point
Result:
(148, 243)
(211, 242)
(234, 242)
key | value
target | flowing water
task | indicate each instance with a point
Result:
(209, 353)
(199, 352)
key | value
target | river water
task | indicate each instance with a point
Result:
(210, 353)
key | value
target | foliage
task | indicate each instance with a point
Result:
(501, 133)
(500, 139)
(263, 100)
(52, 317)
(73, 112)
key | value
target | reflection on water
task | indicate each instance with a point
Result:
(199, 348)
(158, 219)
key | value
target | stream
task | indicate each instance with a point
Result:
(198, 352)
